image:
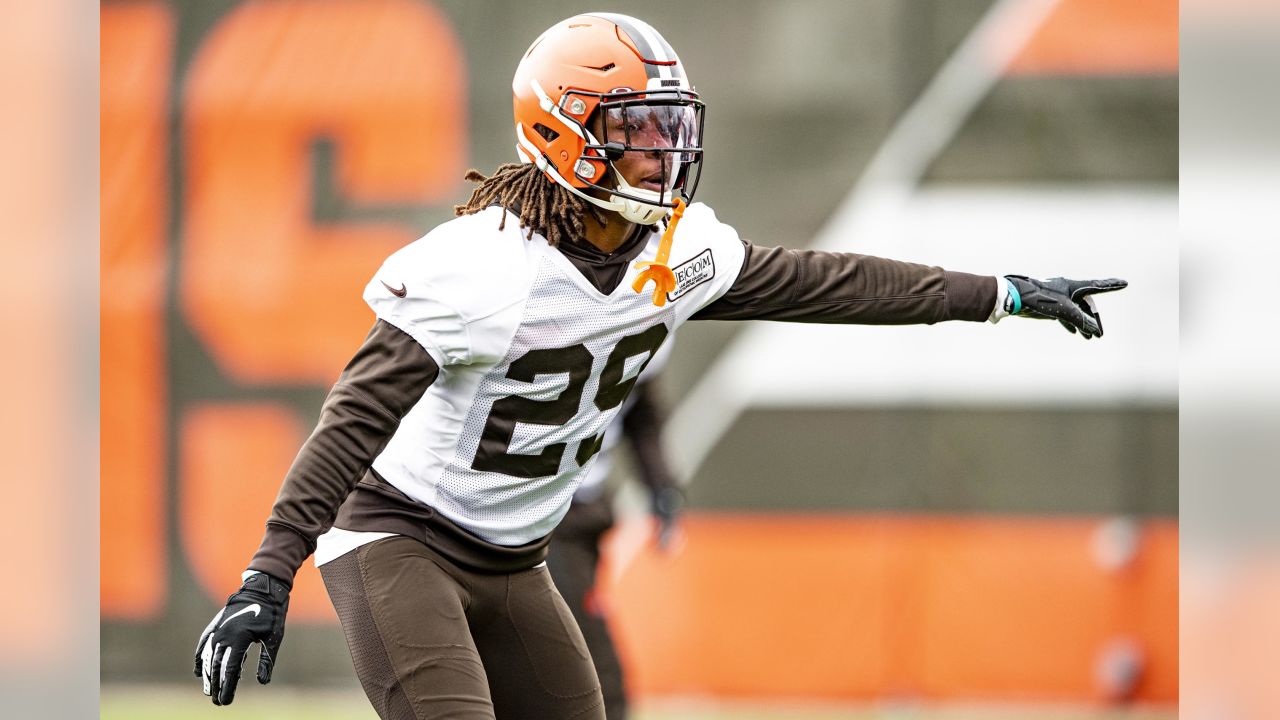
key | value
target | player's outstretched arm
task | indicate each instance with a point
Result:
(815, 286)
(385, 378)
(1070, 302)
(848, 288)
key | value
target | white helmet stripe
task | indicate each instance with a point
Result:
(662, 52)
(650, 42)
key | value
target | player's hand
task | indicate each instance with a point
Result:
(1070, 302)
(667, 504)
(254, 613)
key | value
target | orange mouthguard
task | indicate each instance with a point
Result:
(663, 279)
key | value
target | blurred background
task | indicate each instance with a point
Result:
(957, 521)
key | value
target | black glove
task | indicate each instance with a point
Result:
(667, 503)
(1067, 301)
(254, 613)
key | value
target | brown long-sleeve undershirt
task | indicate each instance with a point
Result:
(385, 378)
(391, 371)
(825, 287)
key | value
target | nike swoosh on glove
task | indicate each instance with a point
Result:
(254, 613)
(1070, 302)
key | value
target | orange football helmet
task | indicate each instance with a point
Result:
(615, 74)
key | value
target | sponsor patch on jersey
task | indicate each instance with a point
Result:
(692, 273)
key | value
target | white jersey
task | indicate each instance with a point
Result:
(535, 362)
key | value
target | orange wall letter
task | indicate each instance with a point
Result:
(275, 296)
(137, 49)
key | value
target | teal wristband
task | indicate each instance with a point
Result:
(1014, 297)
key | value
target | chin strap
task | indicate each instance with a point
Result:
(663, 279)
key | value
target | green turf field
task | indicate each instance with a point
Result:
(258, 703)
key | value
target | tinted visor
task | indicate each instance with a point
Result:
(652, 127)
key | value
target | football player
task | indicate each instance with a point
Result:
(505, 342)
(574, 552)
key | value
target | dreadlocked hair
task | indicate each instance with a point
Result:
(544, 207)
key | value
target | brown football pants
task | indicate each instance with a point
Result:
(431, 640)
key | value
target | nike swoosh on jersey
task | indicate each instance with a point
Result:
(398, 293)
(254, 608)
